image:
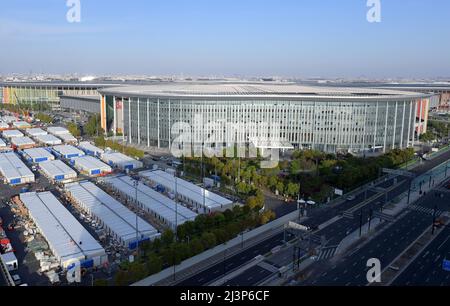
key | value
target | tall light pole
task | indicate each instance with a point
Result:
(136, 184)
(360, 222)
(176, 206)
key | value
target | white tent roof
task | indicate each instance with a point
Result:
(36, 153)
(187, 189)
(86, 145)
(36, 132)
(113, 214)
(55, 168)
(21, 124)
(67, 237)
(22, 141)
(12, 167)
(68, 150)
(91, 163)
(12, 133)
(120, 159)
(154, 201)
(48, 139)
(56, 130)
(67, 137)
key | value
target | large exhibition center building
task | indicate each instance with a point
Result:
(329, 119)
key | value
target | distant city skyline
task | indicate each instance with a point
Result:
(253, 38)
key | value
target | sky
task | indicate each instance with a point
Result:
(286, 38)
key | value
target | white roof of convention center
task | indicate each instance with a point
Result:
(67, 237)
(36, 132)
(156, 202)
(12, 167)
(187, 189)
(57, 167)
(113, 214)
(251, 89)
(49, 139)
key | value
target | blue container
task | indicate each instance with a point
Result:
(15, 181)
(89, 263)
(59, 177)
(41, 159)
(95, 172)
(128, 167)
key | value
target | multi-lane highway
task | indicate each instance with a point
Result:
(386, 246)
(233, 262)
(426, 269)
(333, 233)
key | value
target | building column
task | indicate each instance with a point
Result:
(385, 127)
(115, 116)
(376, 128)
(159, 140)
(148, 123)
(403, 125)
(138, 122)
(129, 121)
(395, 125)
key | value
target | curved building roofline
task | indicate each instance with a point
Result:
(248, 91)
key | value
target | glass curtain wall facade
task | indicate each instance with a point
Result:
(16, 94)
(329, 126)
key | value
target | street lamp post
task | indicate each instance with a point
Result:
(409, 191)
(224, 260)
(360, 222)
(434, 220)
(370, 218)
(136, 183)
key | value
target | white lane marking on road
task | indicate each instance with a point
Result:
(443, 243)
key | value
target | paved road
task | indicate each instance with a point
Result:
(426, 269)
(235, 261)
(316, 217)
(255, 273)
(333, 233)
(337, 231)
(351, 270)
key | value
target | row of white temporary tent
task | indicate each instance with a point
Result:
(203, 200)
(161, 207)
(69, 241)
(120, 222)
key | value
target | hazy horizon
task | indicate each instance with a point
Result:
(267, 38)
